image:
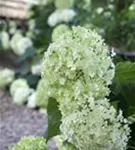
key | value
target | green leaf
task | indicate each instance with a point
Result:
(123, 88)
(54, 118)
(32, 80)
(125, 73)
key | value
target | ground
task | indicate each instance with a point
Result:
(17, 121)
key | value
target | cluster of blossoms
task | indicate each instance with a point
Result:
(81, 67)
(30, 143)
(41, 96)
(61, 15)
(97, 127)
(20, 91)
(36, 68)
(77, 70)
(6, 77)
(20, 44)
(58, 31)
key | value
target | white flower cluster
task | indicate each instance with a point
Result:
(6, 77)
(77, 70)
(32, 100)
(96, 127)
(77, 65)
(58, 31)
(41, 96)
(20, 91)
(20, 44)
(58, 16)
(36, 68)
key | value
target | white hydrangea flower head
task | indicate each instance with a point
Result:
(99, 10)
(41, 94)
(13, 43)
(58, 16)
(21, 95)
(32, 100)
(36, 68)
(96, 127)
(6, 77)
(77, 70)
(59, 31)
(23, 45)
(132, 7)
(77, 65)
(18, 83)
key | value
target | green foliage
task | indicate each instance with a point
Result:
(125, 73)
(124, 87)
(54, 119)
(30, 143)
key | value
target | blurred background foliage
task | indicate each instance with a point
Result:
(23, 42)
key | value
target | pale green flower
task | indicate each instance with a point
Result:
(59, 31)
(6, 77)
(20, 44)
(20, 91)
(23, 45)
(18, 83)
(61, 15)
(77, 70)
(21, 95)
(36, 68)
(13, 43)
(41, 94)
(30, 143)
(75, 66)
(99, 10)
(32, 101)
(96, 127)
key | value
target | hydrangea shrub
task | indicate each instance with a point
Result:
(77, 70)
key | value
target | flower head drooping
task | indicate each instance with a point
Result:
(96, 127)
(77, 69)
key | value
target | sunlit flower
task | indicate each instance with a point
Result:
(64, 15)
(6, 77)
